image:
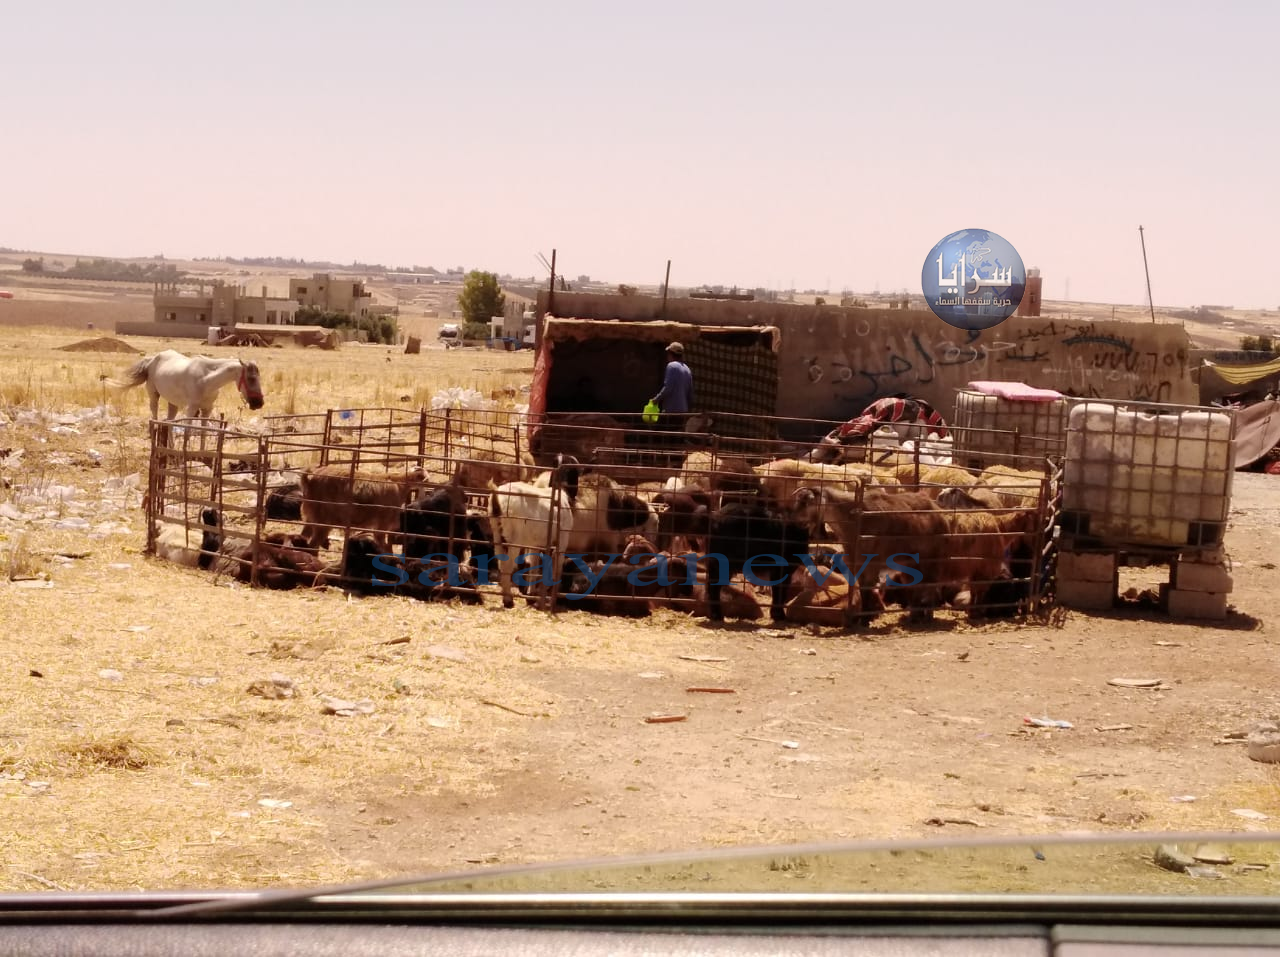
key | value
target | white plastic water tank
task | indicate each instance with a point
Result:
(215, 335)
(1147, 478)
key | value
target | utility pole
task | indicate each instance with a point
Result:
(1150, 302)
(665, 284)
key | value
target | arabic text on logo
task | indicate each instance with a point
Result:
(973, 279)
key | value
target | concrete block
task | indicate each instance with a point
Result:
(1087, 566)
(1215, 555)
(1194, 576)
(1195, 604)
(1095, 596)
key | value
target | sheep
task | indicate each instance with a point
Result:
(604, 515)
(825, 603)
(981, 539)
(283, 562)
(478, 469)
(1016, 488)
(627, 590)
(931, 479)
(175, 543)
(781, 478)
(426, 581)
(335, 497)
(740, 532)
(906, 527)
(686, 515)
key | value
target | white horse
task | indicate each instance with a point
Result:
(192, 383)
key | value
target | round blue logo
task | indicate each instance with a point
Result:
(973, 279)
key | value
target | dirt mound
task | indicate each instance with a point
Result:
(101, 344)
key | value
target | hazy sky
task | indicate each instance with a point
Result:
(820, 144)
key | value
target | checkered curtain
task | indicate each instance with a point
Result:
(737, 379)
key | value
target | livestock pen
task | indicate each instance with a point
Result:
(617, 517)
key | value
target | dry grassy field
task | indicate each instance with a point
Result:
(134, 755)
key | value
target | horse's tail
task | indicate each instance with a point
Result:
(136, 375)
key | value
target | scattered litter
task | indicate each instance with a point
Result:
(940, 821)
(1264, 742)
(38, 785)
(504, 707)
(1171, 858)
(438, 722)
(1204, 872)
(1184, 798)
(274, 804)
(119, 566)
(665, 718)
(702, 658)
(712, 690)
(790, 745)
(1213, 854)
(345, 709)
(1114, 727)
(444, 651)
(203, 681)
(652, 674)
(402, 640)
(1136, 682)
(1168, 644)
(32, 583)
(399, 686)
(138, 628)
(72, 523)
(1249, 813)
(529, 659)
(110, 674)
(1047, 723)
(808, 651)
(95, 456)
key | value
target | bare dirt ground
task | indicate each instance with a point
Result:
(133, 755)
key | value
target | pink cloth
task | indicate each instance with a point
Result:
(1017, 391)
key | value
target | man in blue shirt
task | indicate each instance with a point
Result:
(676, 397)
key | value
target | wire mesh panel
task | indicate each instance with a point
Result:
(994, 430)
(451, 503)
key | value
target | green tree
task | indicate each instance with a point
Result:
(33, 265)
(481, 298)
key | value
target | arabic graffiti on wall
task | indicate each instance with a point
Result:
(1076, 358)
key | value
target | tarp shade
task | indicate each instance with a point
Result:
(1243, 375)
(1257, 432)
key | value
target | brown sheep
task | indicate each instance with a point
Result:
(905, 526)
(335, 497)
(980, 539)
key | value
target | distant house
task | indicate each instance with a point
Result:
(323, 292)
(190, 312)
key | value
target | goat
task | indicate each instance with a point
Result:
(522, 515)
(426, 581)
(686, 515)
(335, 497)
(283, 562)
(740, 532)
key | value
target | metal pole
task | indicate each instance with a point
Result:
(666, 283)
(551, 294)
(1150, 302)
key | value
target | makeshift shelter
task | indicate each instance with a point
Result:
(592, 365)
(1257, 432)
(1218, 379)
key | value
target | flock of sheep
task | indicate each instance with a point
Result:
(853, 538)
